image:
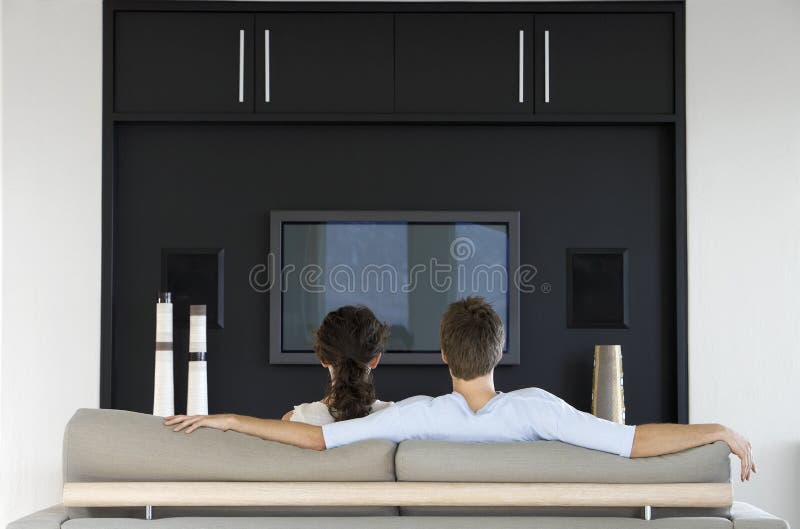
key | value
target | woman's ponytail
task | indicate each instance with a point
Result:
(348, 340)
(351, 392)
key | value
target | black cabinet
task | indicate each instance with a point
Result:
(183, 62)
(473, 62)
(381, 62)
(605, 63)
(332, 62)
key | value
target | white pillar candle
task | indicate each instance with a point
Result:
(197, 394)
(197, 390)
(163, 388)
(197, 329)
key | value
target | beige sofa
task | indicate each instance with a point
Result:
(116, 463)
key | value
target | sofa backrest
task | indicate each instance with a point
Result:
(115, 445)
(555, 462)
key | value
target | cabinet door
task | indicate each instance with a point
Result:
(605, 63)
(183, 62)
(335, 62)
(464, 63)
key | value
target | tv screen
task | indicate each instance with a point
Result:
(405, 266)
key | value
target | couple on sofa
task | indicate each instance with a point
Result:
(349, 344)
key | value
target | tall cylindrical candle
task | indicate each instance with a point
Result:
(163, 389)
(197, 391)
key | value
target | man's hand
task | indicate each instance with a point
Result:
(190, 423)
(658, 439)
(740, 446)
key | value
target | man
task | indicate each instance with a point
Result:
(472, 339)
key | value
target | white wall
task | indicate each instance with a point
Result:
(2, 509)
(51, 239)
(744, 235)
(743, 84)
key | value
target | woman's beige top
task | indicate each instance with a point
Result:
(317, 413)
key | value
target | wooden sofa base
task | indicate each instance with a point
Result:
(403, 494)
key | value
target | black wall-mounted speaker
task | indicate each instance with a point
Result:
(195, 276)
(597, 288)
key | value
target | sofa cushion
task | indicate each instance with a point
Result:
(582, 512)
(49, 518)
(227, 512)
(555, 462)
(114, 445)
(401, 522)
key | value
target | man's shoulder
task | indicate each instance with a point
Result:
(416, 400)
(529, 394)
(426, 401)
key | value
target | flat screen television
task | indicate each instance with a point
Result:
(406, 266)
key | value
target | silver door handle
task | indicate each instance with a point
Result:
(241, 66)
(547, 66)
(521, 66)
(266, 66)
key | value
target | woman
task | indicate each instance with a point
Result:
(349, 343)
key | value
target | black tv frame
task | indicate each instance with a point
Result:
(275, 317)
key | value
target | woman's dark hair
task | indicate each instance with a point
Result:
(348, 339)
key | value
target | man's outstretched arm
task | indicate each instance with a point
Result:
(659, 439)
(293, 433)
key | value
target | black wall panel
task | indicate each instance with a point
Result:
(576, 186)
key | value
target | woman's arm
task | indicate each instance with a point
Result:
(658, 439)
(288, 415)
(293, 433)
